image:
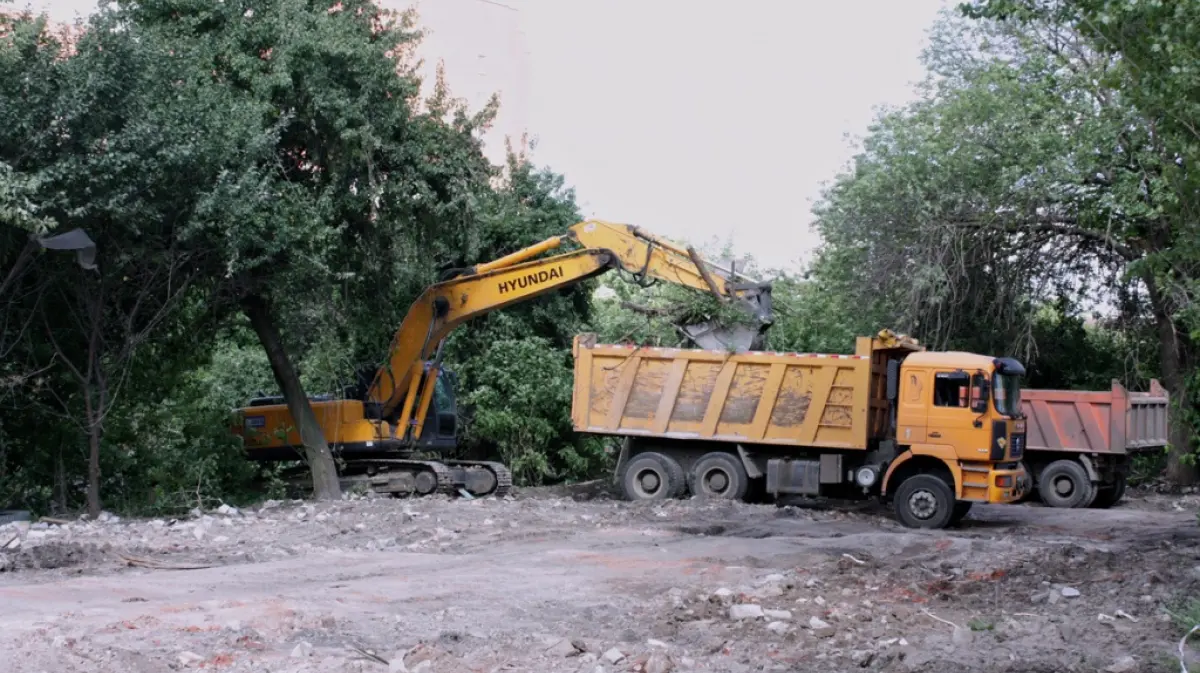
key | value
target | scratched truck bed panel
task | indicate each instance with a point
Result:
(760, 397)
(1107, 421)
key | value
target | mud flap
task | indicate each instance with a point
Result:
(1090, 468)
(622, 458)
(751, 469)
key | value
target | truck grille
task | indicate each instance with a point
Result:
(999, 435)
(1017, 446)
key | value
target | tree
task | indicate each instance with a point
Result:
(1022, 175)
(335, 162)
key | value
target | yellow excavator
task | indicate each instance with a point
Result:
(409, 405)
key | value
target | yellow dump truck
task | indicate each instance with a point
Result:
(930, 432)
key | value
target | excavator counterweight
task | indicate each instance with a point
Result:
(379, 433)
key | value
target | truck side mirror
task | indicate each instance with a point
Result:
(980, 393)
(893, 380)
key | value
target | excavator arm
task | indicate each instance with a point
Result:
(403, 386)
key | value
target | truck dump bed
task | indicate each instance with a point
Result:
(789, 399)
(1116, 421)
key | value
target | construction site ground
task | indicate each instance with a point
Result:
(571, 579)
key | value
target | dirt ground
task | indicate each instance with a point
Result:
(571, 580)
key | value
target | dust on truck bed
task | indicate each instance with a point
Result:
(722, 424)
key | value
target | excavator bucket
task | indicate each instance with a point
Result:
(647, 256)
(754, 300)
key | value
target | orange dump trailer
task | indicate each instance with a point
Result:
(930, 432)
(1079, 443)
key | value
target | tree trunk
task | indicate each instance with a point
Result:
(93, 484)
(60, 483)
(316, 449)
(1175, 351)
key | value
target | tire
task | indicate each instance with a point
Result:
(719, 475)
(652, 476)
(925, 501)
(1064, 483)
(1108, 496)
(961, 509)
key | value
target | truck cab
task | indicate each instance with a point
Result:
(964, 411)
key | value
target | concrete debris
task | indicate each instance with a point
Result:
(189, 658)
(742, 611)
(302, 649)
(657, 643)
(862, 658)
(613, 655)
(778, 627)
(564, 648)
(1070, 592)
(817, 623)
(778, 615)
(1123, 665)
(658, 662)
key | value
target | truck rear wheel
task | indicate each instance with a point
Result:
(652, 476)
(719, 475)
(1064, 483)
(925, 501)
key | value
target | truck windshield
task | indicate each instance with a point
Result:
(1007, 394)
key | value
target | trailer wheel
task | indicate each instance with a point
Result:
(1064, 483)
(719, 475)
(652, 476)
(925, 501)
(1107, 496)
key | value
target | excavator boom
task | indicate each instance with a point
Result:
(407, 377)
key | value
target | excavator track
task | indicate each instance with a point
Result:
(499, 472)
(420, 478)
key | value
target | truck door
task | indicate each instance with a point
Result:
(913, 412)
(950, 413)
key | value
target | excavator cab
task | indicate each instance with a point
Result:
(438, 433)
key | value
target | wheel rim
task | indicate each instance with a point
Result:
(648, 482)
(716, 481)
(1064, 486)
(923, 504)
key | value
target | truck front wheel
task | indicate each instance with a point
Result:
(1064, 483)
(652, 476)
(720, 475)
(924, 501)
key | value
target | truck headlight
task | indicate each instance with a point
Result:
(865, 476)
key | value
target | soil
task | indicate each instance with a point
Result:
(570, 579)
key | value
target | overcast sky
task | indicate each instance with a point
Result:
(693, 120)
